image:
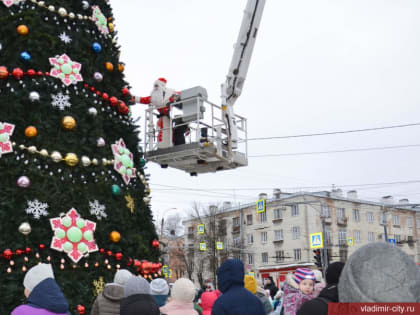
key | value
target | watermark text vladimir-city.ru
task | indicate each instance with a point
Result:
(398, 309)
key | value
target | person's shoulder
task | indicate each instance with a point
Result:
(21, 310)
(316, 305)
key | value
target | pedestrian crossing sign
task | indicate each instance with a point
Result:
(203, 247)
(260, 205)
(316, 240)
(350, 241)
(219, 245)
(252, 274)
(165, 269)
(200, 228)
(168, 274)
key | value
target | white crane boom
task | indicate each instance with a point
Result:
(232, 88)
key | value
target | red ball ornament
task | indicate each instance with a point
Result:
(81, 309)
(114, 101)
(41, 246)
(122, 108)
(105, 96)
(19, 252)
(4, 73)
(39, 73)
(92, 89)
(137, 263)
(101, 250)
(7, 254)
(17, 73)
(47, 73)
(27, 250)
(125, 91)
(118, 256)
(98, 93)
(155, 243)
(86, 85)
(31, 73)
(125, 110)
(109, 253)
(130, 262)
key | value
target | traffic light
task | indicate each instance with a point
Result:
(317, 258)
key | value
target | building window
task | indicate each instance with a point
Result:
(397, 238)
(370, 217)
(263, 217)
(341, 213)
(263, 237)
(357, 237)
(250, 259)
(250, 238)
(325, 211)
(249, 219)
(296, 232)
(235, 256)
(371, 236)
(236, 242)
(278, 214)
(356, 215)
(235, 221)
(278, 235)
(396, 220)
(295, 210)
(264, 258)
(298, 254)
(328, 238)
(190, 230)
(279, 256)
(383, 218)
(409, 222)
(343, 254)
(342, 236)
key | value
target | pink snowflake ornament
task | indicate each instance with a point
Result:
(6, 130)
(9, 3)
(123, 161)
(65, 69)
(100, 20)
(73, 235)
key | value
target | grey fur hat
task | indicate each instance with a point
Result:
(136, 285)
(379, 272)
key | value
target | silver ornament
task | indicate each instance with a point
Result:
(56, 157)
(32, 149)
(85, 5)
(62, 12)
(85, 161)
(100, 142)
(51, 8)
(25, 228)
(23, 182)
(92, 111)
(34, 96)
(98, 77)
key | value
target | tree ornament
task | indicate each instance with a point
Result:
(100, 142)
(62, 12)
(73, 235)
(99, 285)
(113, 101)
(121, 67)
(142, 162)
(17, 73)
(85, 5)
(105, 96)
(9, 3)
(109, 66)
(60, 101)
(122, 108)
(116, 190)
(111, 27)
(22, 30)
(123, 161)
(6, 130)
(71, 159)
(25, 228)
(31, 132)
(37, 209)
(25, 56)
(155, 243)
(99, 19)
(4, 73)
(7, 254)
(31, 73)
(65, 69)
(130, 203)
(97, 209)
(65, 38)
(98, 77)
(96, 47)
(92, 111)
(115, 236)
(68, 123)
(86, 161)
(119, 256)
(56, 156)
(125, 91)
(81, 309)
(34, 96)
(23, 182)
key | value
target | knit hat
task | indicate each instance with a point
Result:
(379, 272)
(136, 285)
(183, 290)
(304, 273)
(159, 287)
(333, 272)
(121, 276)
(36, 275)
(250, 284)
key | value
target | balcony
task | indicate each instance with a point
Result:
(236, 229)
(341, 221)
(190, 236)
(278, 219)
(278, 240)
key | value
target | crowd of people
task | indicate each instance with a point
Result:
(377, 272)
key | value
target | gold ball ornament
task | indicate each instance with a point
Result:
(68, 123)
(71, 159)
(31, 132)
(25, 228)
(22, 30)
(56, 157)
(109, 66)
(111, 27)
(115, 236)
(121, 67)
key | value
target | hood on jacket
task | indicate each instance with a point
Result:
(160, 299)
(48, 295)
(207, 300)
(178, 308)
(139, 304)
(113, 292)
(290, 281)
(330, 293)
(230, 273)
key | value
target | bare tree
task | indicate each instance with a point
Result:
(173, 226)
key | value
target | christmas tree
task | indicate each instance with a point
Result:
(73, 191)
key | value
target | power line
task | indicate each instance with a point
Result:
(337, 151)
(334, 132)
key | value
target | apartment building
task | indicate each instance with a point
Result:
(276, 241)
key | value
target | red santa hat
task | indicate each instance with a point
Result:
(163, 80)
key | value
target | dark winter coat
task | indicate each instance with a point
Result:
(272, 287)
(45, 299)
(235, 300)
(108, 302)
(319, 305)
(136, 304)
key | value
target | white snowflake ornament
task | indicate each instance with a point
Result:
(37, 209)
(65, 38)
(73, 235)
(97, 209)
(6, 130)
(65, 69)
(60, 101)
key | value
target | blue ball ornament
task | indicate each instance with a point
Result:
(96, 47)
(25, 56)
(116, 190)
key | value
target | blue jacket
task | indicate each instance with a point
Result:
(235, 300)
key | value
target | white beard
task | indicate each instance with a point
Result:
(160, 96)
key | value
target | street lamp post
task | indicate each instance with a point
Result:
(161, 233)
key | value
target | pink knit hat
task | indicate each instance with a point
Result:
(304, 273)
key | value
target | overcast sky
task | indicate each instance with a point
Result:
(318, 66)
